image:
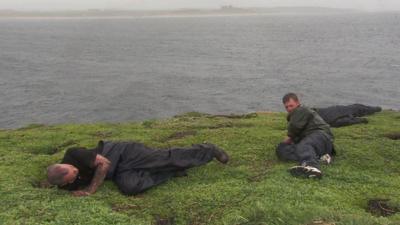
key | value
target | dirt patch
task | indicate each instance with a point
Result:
(320, 222)
(381, 207)
(266, 113)
(229, 125)
(41, 184)
(221, 125)
(103, 134)
(124, 207)
(191, 114)
(235, 116)
(229, 116)
(393, 136)
(261, 171)
(31, 126)
(52, 151)
(181, 134)
(66, 144)
(164, 221)
(44, 150)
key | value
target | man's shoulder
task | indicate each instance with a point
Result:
(71, 151)
(69, 155)
(77, 156)
(76, 151)
(302, 110)
(306, 108)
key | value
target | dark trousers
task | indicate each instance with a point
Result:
(307, 151)
(347, 121)
(340, 115)
(141, 168)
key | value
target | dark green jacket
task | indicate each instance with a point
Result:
(303, 121)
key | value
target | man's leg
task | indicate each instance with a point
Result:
(359, 110)
(347, 121)
(303, 152)
(307, 152)
(136, 181)
(287, 152)
(142, 157)
(141, 168)
(308, 159)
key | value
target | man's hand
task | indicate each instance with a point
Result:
(80, 193)
(102, 166)
(288, 140)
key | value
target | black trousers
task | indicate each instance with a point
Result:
(347, 121)
(308, 150)
(140, 168)
(340, 115)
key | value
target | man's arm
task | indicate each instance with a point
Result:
(288, 140)
(298, 121)
(102, 166)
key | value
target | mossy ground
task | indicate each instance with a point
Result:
(254, 188)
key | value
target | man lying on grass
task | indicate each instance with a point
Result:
(309, 139)
(346, 115)
(132, 166)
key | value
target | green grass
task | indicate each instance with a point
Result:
(254, 188)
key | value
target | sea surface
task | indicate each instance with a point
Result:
(95, 70)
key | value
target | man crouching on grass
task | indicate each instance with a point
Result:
(309, 139)
(132, 166)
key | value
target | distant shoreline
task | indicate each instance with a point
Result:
(230, 11)
(146, 17)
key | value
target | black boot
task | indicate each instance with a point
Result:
(219, 154)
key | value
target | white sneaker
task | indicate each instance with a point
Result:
(305, 172)
(327, 159)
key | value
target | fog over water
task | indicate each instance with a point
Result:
(87, 70)
(371, 5)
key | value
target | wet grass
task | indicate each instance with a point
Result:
(254, 188)
(393, 136)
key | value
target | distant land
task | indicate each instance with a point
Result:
(224, 10)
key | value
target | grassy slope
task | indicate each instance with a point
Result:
(253, 189)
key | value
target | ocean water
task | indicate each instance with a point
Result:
(88, 70)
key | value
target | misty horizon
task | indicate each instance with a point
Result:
(64, 5)
(177, 9)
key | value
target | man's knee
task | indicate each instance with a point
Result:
(283, 151)
(129, 190)
(344, 121)
(129, 185)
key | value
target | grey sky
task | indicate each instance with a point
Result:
(176, 4)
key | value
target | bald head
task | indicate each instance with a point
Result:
(56, 174)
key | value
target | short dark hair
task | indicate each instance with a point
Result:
(289, 96)
(56, 174)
